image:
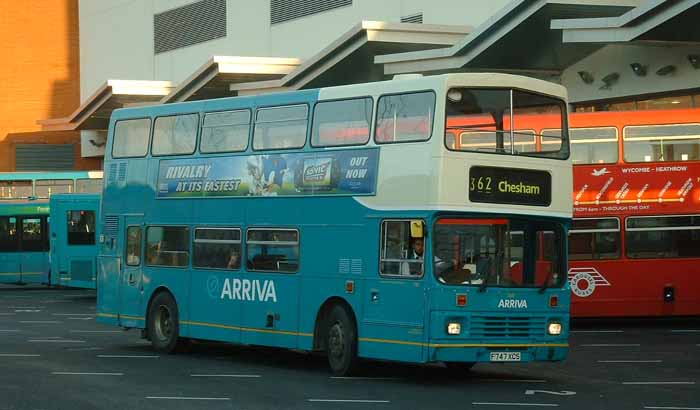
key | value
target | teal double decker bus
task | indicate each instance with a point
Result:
(414, 220)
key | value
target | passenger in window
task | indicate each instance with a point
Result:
(414, 267)
(234, 260)
(417, 247)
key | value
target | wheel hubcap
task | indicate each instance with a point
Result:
(163, 321)
(336, 340)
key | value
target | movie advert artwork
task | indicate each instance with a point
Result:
(347, 172)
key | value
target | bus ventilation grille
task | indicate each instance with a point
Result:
(507, 326)
(111, 227)
(122, 172)
(112, 174)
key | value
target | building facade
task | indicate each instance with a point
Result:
(610, 54)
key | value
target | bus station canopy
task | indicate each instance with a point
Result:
(657, 22)
(350, 58)
(212, 79)
(94, 113)
(518, 39)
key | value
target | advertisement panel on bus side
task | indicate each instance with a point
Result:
(638, 189)
(346, 172)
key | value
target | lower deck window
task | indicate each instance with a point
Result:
(33, 238)
(273, 250)
(167, 246)
(8, 234)
(217, 248)
(81, 227)
(663, 237)
(400, 253)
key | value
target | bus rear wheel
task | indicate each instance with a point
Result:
(341, 342)
(163, 324)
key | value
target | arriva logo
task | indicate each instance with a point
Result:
(245, 289)
(512, 304)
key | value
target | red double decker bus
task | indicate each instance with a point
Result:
(634, 246)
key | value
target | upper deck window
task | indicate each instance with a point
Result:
(281, 127)
(524, 140)
(88, 185)
(175, 135)
(497, 120)
(588, 145)
(225, 132)
(15, 189)
(131, 138)
(678, 142)
(345, 122)
(44, 188)
(405, 117)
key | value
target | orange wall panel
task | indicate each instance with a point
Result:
(39, 74)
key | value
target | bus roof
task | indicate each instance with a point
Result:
(7, 176)
(400, 84)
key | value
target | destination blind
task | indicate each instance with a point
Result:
(510, 186)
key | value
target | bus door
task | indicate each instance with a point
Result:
(396, 299)
(9, 250)
(131, 273)
(34, 257)
(269, 292)
(78, 244)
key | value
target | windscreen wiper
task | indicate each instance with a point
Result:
(485, 283)
(546, 280)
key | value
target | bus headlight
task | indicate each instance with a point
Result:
(554, 329)
(454, 328)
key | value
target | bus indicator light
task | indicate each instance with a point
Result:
(554, 301)
(461, 300)
(350, 286)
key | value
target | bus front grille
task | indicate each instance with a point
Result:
(507, 326)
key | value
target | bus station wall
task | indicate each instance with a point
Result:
(106, 37)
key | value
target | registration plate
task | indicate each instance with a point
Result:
(505, 356)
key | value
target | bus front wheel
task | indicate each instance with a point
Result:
(341, 342)
(163, 323)
(460, 366)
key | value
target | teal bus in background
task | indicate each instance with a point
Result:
(42, 184)
(25, 220)
(345, 220)
(24, 241)
(74, 239)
